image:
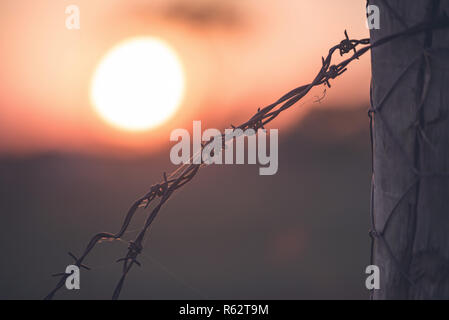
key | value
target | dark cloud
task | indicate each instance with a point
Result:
(211, 13)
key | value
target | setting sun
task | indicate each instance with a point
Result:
(138, 84)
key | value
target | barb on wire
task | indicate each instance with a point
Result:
(185, 173)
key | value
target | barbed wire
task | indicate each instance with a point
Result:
(186, 172)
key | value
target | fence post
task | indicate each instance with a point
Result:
(410, 130)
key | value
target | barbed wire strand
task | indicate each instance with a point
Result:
(186, 172)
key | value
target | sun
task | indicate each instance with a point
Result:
(138, 84)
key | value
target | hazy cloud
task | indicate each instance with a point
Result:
(211, 13)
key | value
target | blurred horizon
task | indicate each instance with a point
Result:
(228, 234)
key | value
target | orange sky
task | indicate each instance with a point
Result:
(238, 55)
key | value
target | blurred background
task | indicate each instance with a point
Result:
(66, 172)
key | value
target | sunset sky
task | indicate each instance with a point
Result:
(236, 56)
(73, 156)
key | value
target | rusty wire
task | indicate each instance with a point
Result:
(163, 190)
